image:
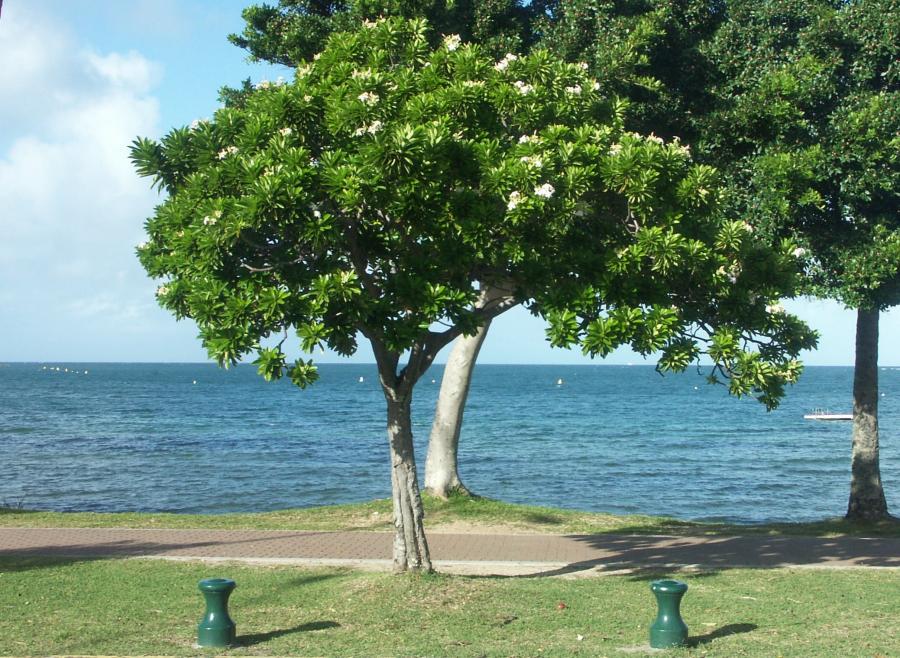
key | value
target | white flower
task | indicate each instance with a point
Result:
(546, 190)
(142, 246)
(799, 252)
(532, 160)
(503, 63)
(576, 89)
(595, 86)
(615, 149)
(514, 199)
(317, 56)
(371, 129)
(473, 83)
(162, 290)
(734, 272)
(210, 221)
(263, 84)
(524, 139)
(284, 132)
(451, 42)
(307, 99)
(369, 24)
(317, 214)
(361, 73)
(747, 227)
(225, 152)
(655, 139)
(583, 66)
(523, 87)
(303, 71)
(775, 309)
(368, 97)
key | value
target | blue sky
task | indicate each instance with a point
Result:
(79, 80)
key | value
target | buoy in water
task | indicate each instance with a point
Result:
(559, 382)
(194, 382)
(362, 379)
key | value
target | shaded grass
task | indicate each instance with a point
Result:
(472, 512)
(140, 607)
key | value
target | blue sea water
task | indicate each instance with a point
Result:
(117, 437)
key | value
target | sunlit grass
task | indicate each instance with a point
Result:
(141, 607)
(457, 513)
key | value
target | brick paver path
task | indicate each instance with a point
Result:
(542, 553)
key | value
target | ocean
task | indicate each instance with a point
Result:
(620, 439)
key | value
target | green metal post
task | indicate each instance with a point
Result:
(669, 629)
(216, 628)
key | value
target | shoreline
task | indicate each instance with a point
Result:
(457, 515)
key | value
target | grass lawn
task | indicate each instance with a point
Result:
(141, 607)
(451, 514)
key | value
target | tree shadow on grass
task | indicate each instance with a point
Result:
(259, 638)
(724, 631)
(542, 519)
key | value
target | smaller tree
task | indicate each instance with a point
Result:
(806, 130)
(372, 193)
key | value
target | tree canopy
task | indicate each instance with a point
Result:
(374, 191)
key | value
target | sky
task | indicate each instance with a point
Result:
(78, 82)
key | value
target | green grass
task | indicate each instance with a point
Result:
(473, 512)
(141, 607)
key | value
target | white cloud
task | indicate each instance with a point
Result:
(71, 205)
(131, 71)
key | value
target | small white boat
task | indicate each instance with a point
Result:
(559, 382)
(823, 414)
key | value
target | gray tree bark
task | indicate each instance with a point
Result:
(867, 502)
(441, 464)
(410, 546)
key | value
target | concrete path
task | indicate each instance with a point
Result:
(459, 553)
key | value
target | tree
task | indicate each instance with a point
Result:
(370, 195)
(637, 50)
(806, 128)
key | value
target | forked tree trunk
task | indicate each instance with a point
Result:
(867, 502)
(441, 465)
(410, 546)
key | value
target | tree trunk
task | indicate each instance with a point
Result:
(867, 502)
(441, 466)
(410, 546)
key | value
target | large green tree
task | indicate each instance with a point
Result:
(642, 51)
(806, 127)
(374, 192)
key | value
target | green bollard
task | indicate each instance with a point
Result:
(669, 629)
(216, 628)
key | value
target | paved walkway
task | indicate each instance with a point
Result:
(461, 553)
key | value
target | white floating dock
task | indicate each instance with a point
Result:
(827, 416)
